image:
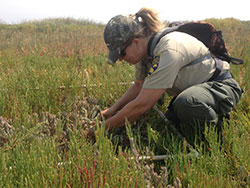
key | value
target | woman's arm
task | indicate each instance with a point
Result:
(135, 108)
(130, 95)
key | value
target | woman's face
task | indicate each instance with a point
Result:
(136, 51)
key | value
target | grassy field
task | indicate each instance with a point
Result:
(54, 80)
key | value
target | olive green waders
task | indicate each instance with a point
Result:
(204, 104)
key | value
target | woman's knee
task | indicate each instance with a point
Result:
(189, 108)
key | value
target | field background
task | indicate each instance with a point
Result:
(54, 79)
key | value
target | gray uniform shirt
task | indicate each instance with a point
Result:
(180, 61)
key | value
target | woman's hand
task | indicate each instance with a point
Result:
(108, 113)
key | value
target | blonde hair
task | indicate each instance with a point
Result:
(149, 22)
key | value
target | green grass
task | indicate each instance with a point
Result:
(46, 66)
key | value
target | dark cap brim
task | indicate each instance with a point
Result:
(113, 56)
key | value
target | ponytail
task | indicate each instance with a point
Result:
(149, 21)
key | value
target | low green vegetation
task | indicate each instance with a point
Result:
(54, 80)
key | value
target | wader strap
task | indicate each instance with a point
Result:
(216, 76)
(153, 41)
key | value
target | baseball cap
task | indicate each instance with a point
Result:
(118, 33)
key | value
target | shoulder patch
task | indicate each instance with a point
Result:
(155, 65)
